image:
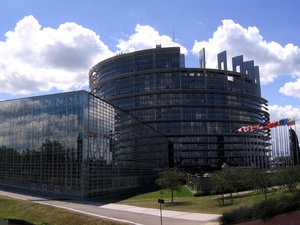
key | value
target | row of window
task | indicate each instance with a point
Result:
(197, 114)
(186, 99)
(176, 81)
(136, 62)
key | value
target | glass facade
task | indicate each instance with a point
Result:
(76, 145)
(198, 109)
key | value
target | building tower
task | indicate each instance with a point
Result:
(198, 109)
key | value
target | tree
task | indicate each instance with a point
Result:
(228, 181)
(235, 178)
(288, 177)
(261, 181)
(171, 179)
(220, 185)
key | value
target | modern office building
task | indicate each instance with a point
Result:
(76, 145)
(198, 109)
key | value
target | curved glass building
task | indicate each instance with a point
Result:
(198, 109)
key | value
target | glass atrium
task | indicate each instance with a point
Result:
(76, 145)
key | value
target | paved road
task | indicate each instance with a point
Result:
(123, 213)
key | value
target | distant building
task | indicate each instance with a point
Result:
(76, 145)
(198, 109)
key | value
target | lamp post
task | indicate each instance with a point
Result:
(160, 201)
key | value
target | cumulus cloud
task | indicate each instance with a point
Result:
(291, 88)
(280, 112)
(147, 37)
(273, 59)
(34, 59)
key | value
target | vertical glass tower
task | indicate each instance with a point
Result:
(198, 109)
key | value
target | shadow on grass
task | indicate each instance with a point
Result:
(170, 204)
(122, 197)
(228, 201)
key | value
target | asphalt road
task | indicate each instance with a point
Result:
(123, 213)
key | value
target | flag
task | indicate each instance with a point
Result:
(255, 127)
(241, 130)
(249, 128)
(283, 122)
(267, 126)
(291, 122)
(245, 129)
(274, 124)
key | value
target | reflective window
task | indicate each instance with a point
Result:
(76, 145)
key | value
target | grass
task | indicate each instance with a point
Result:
(44, 215)
(183, 201)
(186, 202)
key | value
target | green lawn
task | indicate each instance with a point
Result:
(186, 202)
(44, 215)
(183, 201)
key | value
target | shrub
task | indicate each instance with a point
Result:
(265, 209)
(235, 216)
(262, 210)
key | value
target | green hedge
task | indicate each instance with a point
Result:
(262, 210)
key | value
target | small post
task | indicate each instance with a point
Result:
(160, 201)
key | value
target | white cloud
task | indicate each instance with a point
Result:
(283, 112)
(291, 88)
(34, 59)
(273, 59)
(147, 37)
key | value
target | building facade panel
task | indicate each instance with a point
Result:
(76, 145)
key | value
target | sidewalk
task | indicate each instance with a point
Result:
(165, 213)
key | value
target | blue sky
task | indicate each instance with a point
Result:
(49, 46)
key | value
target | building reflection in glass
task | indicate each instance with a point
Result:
(76, 145)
